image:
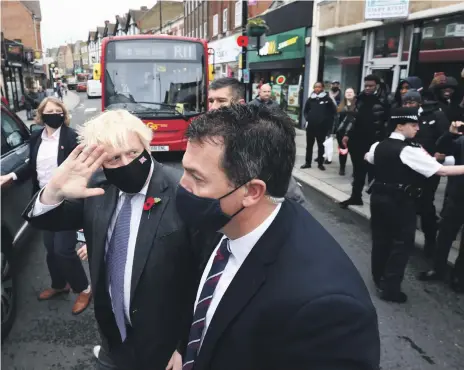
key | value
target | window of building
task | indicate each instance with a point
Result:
(225, 18)
(442, 48)
(342, 57)
(205, 30)
(215, 24)
(386, 42)
(238, 14)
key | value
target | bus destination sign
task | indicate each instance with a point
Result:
(156, 50)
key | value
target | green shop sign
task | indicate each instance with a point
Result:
(285, 45)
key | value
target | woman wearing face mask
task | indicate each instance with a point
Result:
(49, 147)
(346, 117)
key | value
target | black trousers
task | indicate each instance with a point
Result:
(342, 158)
(453, 220)
(393, 225)
(361, 168)
(427, 211)
(311, 136)
(63, 262)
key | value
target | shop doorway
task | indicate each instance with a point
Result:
(387, 53)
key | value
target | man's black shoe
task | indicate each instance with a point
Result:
(306, 165)
(396, 297)
(321, 167)
(351, 202)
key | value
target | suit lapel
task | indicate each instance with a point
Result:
(62, 144)
(35, 148)
(102, 217)
(246, 283)
(149, 224)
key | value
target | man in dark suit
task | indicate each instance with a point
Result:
(278, 292)
(142, 266)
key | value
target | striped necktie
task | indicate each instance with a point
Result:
(116, 257)
(204, 301)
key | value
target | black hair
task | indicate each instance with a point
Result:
(234, 84)
(259, 143)
(374, 78)
(319, 82)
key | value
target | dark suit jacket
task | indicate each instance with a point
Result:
(165, 271)
(297, 302)
(67, 143)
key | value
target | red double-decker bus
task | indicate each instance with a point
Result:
(163, 80)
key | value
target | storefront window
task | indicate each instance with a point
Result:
(442, 48)
(386, 42)
(406, 43)
(287, 89)
(342, 57)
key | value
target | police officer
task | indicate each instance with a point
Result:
(432, 124)
(400, 168)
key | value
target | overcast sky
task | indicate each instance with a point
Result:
(71, 20)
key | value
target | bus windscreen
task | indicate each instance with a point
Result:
(155, 76)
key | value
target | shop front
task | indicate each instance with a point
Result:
(12, 71)
(224, 57)
(394, 51)
(280, 61)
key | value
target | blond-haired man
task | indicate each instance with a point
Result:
(142, 266)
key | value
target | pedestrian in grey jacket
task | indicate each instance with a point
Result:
(264, 98)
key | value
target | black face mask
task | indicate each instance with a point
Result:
(132, 177)
(54, 120)
(335, 89)
(202, 213)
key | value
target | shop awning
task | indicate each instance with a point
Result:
(278, 64)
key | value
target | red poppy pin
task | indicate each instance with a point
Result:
(149, 203)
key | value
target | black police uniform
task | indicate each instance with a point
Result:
(400, 168)
(393, 214)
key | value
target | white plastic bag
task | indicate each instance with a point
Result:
(328, 148)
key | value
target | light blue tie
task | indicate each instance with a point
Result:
(116, 257)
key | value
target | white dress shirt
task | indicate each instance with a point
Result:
(47, 157)
(137, 203)
(416, 158)
(239, 248)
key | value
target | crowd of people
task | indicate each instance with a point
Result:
(223, 266)
(360, 121)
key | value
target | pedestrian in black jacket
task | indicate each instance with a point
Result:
(452, 143)
(346, 116)
(319, 113)
(370, 125)
(433, 124)
(406, 84)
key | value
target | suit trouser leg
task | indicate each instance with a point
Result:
(310, 138)
(458, 270)
(381, 235)
(404, 232)
(453, 219)
(428, 212)
(320, 138)
(68, 262)
(56, 275)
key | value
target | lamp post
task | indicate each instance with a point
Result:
(244, 33)
(161, 18)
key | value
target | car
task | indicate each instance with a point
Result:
(81, 87)
(14, 153)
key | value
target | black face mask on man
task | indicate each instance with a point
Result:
(203, 213)
(132, 177)
(54, 120)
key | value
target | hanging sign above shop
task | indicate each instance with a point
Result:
(269, 48)
(280, 80)
(386, 9)
(274, 47)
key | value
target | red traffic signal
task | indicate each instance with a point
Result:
(242, 41)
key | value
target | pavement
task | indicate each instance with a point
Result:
(427, 333)
(338, 188)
